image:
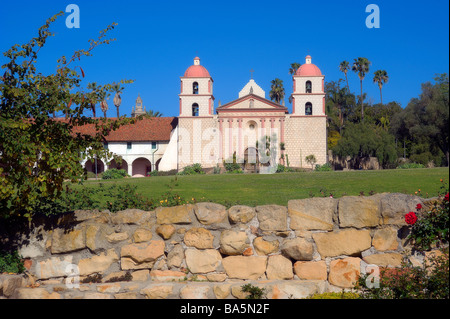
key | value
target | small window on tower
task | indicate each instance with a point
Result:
(195, 109)
(308, 87)
(195, 88)
(129, 145)
(308, 109)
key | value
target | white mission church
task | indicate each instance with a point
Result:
(209, 135)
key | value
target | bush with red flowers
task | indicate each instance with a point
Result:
(430, 228)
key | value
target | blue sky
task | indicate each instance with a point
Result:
(157, 41)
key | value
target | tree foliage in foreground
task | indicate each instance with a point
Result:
(38, 152)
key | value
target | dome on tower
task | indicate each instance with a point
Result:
(196, 70)
(308, 69)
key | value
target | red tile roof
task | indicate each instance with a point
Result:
(145, 130)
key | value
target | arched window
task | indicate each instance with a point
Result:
(308, 88)
(195, 109)
(308, 108)
(195, 88)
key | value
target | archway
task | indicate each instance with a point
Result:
(141, 167)
(123, 165)
(90, 166)
(251, 160)
(157, 164)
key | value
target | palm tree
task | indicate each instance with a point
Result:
(381, 77)
(294, 67)
(277, 91)
(152, 113)
(117, 98)
(345, 67)
(361, 67)
(103, 103)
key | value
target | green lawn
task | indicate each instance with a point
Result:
(256, 189)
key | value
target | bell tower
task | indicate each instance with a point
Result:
(308, 98)
(196, 96)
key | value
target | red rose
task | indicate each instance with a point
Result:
(419, 206)
(410, 218)
(446, 197)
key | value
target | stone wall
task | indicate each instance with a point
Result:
(207, 251)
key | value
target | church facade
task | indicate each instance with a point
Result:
(251, 130)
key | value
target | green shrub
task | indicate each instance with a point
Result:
(114, 174)
(11, 262)
(192, 170)
(254, 292)
(283, 169)
(323, 168)
(410, 165)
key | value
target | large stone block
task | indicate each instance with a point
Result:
(279, 268)
(195, 292)
(265, 247)
(311, 270)
(167, 275)
(202, 261)
(241, 214)
(54, 267)
(359, 212)
(174, 215)
(297, 249)
(64, 241)
(200, 238)
(345, 272)
(153, 291)
(142, 255)
(175, 257)
(384, 260)
(97, 264)
(312, 213)
(9, 284)
(215, 215)
(395, 206)
(243, 267)
(233, 242)
(385, 239)
(131, 217)
(346, 242)
(272, 217)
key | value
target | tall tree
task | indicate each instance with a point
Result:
(294, 67)
(424, 123)
(380, 77)
(344, 67)
(277, 92)
(117, 88)
(361, 67)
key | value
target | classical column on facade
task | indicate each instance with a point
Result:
(220, 140)
(283, 147)
(263, 127)
(240, 150)
(230, 137)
